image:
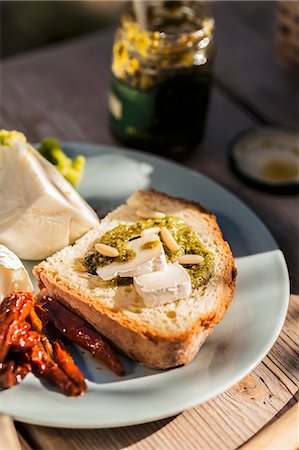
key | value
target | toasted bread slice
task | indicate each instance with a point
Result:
(159, 337)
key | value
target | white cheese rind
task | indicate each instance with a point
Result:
(146, 260)
(160, 287)
(13, 275)
(40, 211)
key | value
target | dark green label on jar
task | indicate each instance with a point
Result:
(170, 115)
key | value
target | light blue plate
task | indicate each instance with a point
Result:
(238, 344)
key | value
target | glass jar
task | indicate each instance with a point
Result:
(161, 77)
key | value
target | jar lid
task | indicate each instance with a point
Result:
(267, 158)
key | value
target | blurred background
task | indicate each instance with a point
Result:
(26, 25)
(256, 46)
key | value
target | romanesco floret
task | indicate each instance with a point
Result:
(71, 169)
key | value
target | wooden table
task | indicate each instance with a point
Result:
(61, 91)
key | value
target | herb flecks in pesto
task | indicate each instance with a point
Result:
(94, 259)
(118, 281)
(183, 234)
(150, 244)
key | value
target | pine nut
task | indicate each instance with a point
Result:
(148, 214)
(190, 259)
(152, 230)
(106, 250)
(169, 240)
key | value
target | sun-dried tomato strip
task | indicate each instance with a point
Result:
(24, 345)
(78, 331)
(44, 366)
(14, 370)
(13, 312)
(67, 364)
(66, 376)
(22, 336)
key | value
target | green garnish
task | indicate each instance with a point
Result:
(71, 169)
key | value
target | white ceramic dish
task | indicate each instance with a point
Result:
(238, 344)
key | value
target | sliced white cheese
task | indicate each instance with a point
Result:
(40, 211)
(146, 260)
(165, 286)
(13, 275)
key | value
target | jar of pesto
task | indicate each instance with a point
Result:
(161, 77)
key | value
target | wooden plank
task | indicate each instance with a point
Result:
(227, 422)
(247, 63)
(8, 435)
(281, 434)
(62, 92)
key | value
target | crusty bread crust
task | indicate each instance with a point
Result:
(155, 349)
